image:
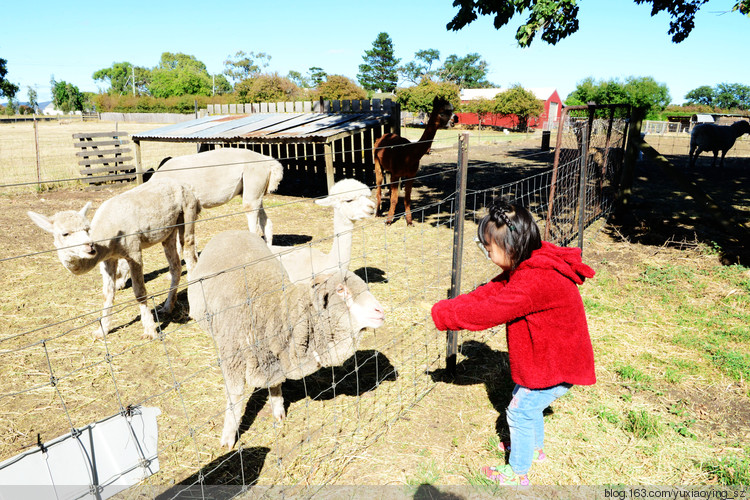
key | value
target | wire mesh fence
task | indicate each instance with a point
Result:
(56, 379)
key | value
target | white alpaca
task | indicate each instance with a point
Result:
(715, 138)
(219, 175)
(155, 212)
(351, 202)
(268, 331)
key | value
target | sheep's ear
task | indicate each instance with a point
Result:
(42, 221)
(85, 209)
(343, 291)
(318, 291)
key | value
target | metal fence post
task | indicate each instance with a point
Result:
(458, 245)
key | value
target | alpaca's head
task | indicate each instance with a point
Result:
(350, 198)
(70, 229)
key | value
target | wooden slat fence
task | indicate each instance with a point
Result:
(104, 158)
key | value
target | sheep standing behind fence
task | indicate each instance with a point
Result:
(715, 138)
(267, 331)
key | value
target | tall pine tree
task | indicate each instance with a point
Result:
(379, 70)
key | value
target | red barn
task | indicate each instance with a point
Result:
(552, 109)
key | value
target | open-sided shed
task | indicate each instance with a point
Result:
(309, 138)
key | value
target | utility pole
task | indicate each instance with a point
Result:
(132, 69)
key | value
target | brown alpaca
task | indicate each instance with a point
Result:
(397, 155)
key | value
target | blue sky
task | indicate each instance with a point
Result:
(616, 39)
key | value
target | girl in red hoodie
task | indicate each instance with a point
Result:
(536, 296)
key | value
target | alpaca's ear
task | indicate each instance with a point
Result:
(85, 209)
(42, 221)
(328, 201)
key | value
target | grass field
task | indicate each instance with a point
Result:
(669, 325)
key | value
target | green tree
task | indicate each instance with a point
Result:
(33, 103)
(379, 70)
(702, 95)
(635, 91)
(732, 95)
(419, 98)
(7, 89)
(12, 107)
(121, 77)
(421, 67)
(179, 74)
(518, 102)
(298, 79)
(482, 107)
(243, 66)
(266, 88)
(557, 19)
(469, 71)
(317, 75)
(339, 87)
(66, 97)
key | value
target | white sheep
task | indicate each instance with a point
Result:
(715, 138)
(159, 211)
(351, 201)
(268, 331)
(219, 175)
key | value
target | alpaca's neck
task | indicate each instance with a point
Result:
(425, 141)
(341, 248)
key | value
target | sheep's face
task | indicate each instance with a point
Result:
(351, 199)
(70, 229)
(346, 307)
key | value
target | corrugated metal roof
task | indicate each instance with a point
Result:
(265, 127)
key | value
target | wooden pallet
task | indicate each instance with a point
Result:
(104, 158)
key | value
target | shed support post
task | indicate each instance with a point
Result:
(138, 167)
(328, 147)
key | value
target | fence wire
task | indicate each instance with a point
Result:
(57, 380)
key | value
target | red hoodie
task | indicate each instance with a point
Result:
(539, 302)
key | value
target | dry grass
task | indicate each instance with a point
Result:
(392, 418)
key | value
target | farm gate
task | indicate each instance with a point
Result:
(56, 381)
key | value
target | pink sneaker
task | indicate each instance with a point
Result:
(504, 475)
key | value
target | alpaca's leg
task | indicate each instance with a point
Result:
(266, 226)
(186, 240)
(379, 184)
(252, 207)
(108, 269)
(716, 155)
(393, 185)
(723, 154)
(234, 411)
(139, 289)
(175, 269)
(277, 402)
(407, 200)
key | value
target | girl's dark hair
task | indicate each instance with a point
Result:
(513, 229)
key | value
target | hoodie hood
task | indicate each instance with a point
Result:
(566, 261)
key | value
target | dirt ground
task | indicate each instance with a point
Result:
(659, 216)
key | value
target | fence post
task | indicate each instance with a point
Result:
(631, 155)
(583, 178)
(36, 145)
(458, 244)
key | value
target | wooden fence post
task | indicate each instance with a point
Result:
(622, 198)
(451, 350)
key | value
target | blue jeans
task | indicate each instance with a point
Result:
(526, 423)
